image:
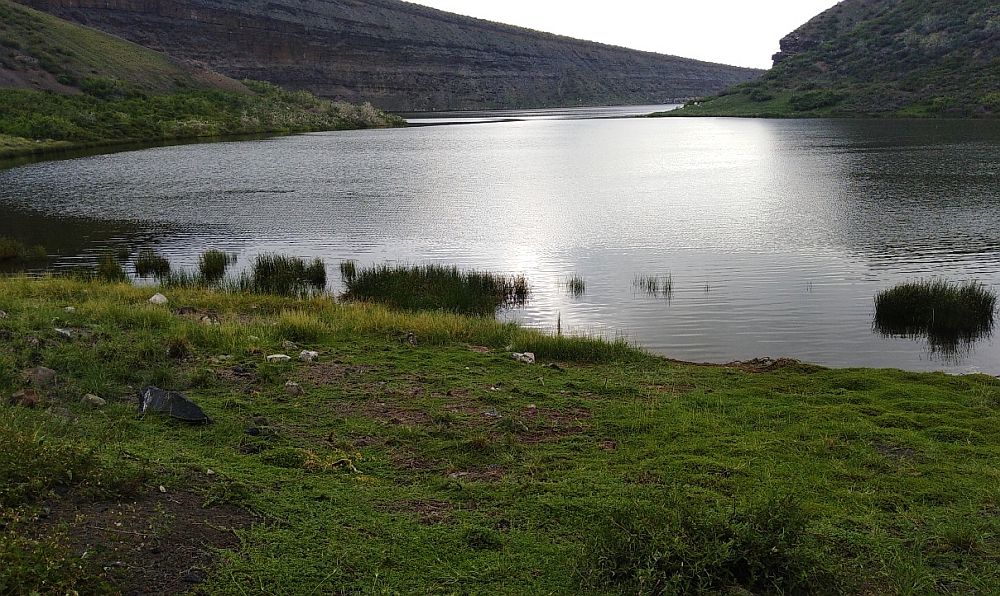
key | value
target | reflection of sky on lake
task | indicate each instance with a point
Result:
(793, 226)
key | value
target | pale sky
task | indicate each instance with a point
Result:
(740, 32)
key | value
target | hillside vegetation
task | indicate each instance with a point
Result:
(63, 85)
(923, 58)
(415, 455)
(399, 55)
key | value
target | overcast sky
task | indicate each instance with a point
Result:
(740, 32)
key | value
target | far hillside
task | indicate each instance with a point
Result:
(922, 58)
(63, 85)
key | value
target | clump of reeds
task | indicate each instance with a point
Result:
(109, 269)
(148, 263)
(654, 285)
(946, 313)
(576, 285)
(14, 250)
(212, 264)
(282, 275)
(438, 287)
(348, 270)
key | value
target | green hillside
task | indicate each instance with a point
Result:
(63, 85)
(924, 58)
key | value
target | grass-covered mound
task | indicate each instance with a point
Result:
(416, 456)
(947, 314)
(63, 85)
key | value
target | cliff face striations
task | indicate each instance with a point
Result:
(879, 58)
(397, 55)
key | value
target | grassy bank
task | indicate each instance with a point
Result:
(417, 456)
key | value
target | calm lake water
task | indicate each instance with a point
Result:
(776, 234)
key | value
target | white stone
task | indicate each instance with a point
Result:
(65, 333)
(158, 299)
(308, 355)
(279, 358)
(525, 357)
(70, 309)
(293, 388)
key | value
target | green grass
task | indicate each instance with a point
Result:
(348, 270)
(212, 264)
(948, 314)
(148, 263)
(441, 465)
(437, 287)
(109, 269)
(655, 285)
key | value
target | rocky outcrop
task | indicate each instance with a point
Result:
(398, 55)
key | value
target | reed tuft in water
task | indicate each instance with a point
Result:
(281, 275)
(576, 285)
(946, 313)
(109, 269)
(348, 270)
(148, 263)
(654, 285)
(15, 250)
(438, 287)
(212, 264)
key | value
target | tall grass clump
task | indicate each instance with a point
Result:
(946, 313)
(14, 250)
(576, 285)
(212, 264)
(682, 548)
(148, 263)
(109, 269)
(282, 275)
(438, 287)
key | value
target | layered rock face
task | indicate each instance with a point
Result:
(397, 55)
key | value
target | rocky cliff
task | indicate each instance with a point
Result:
(398, 55)
(879, 58)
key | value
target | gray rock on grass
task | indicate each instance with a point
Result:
(172, 403)
(94, 401)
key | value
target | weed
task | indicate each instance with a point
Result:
(947, 314)
(576, 286)
(109, 269)
(348, 270)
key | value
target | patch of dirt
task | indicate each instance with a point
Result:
(548, 424)
(429, 512)
(896, 452)
(764, 365)
(161, 544)
(386, 412)
(326, 373)
(487, 474)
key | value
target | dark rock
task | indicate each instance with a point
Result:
(194, 576)
(172, 403)
(41, 377)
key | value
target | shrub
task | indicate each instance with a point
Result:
(814, 100)
(14, 250)
(684, 548)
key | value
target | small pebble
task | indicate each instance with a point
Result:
(279, 358)
(70, 309)
(308, 355)
(66, 333)
(158, 299)
(293, 388)
(163, 489)
(93, 400)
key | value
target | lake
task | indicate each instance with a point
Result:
(775, 234)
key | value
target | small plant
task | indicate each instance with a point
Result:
(148, 263)
(109, 269)
(576, 286)
(212, 264)
(282, 275)
(947, 314)
(315, 274)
